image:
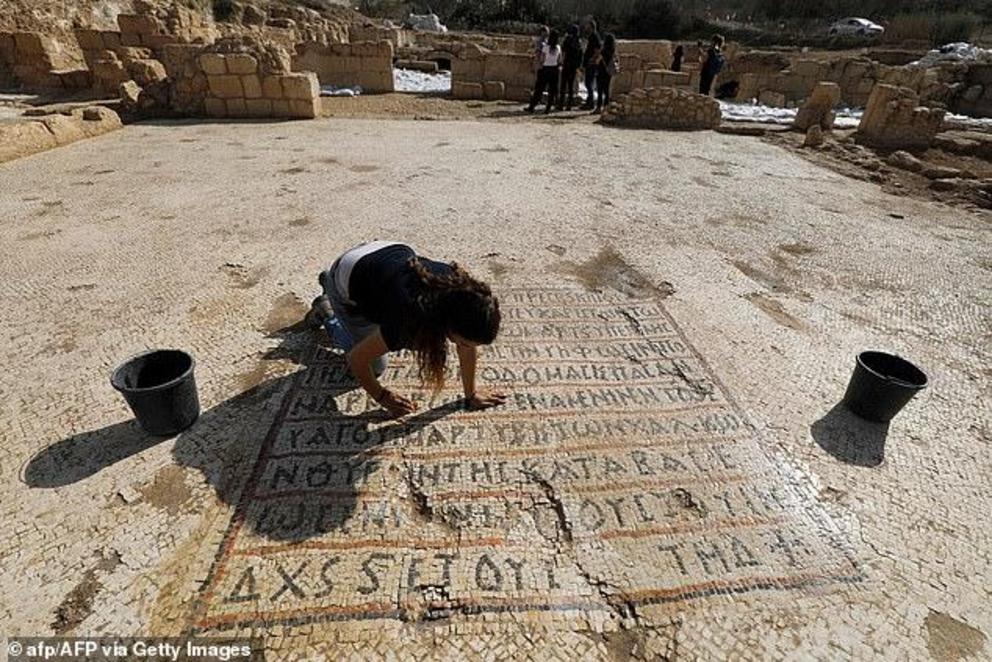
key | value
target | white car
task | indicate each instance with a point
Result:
(856, 26)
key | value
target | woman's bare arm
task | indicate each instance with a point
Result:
(360, 360)
(468, 359)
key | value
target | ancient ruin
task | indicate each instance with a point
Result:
(653, 439)
(664, 108)
(895, 119)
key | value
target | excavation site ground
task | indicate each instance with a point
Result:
(671, 476)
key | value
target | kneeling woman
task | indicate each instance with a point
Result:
(381, 297)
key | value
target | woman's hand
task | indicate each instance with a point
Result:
(396, 404)
(485, 399)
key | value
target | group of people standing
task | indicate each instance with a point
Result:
(558, 62)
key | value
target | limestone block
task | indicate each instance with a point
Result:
(130, 93)
(466, 90)
(158, 41)
(236, 108)
(111, 39)
(509, 67)
(301, 86)
(305, 108)
(32, 77)
(893, 119)
(7, 47)
(108, 73)
(252, 86)
(213, 64)
(773, 99)
(141, 24)
(241, 63)
(128, 53)
(280, 108)
(494, 90)
(665, 78)
(29, 43)
(819, 107)
(215, 107)
(518, 93)
(89, 40)
(101, 114)
(146, 72)
(226, 86)
(76, 79)
(272, 87)
(130, 39)
(258, 107)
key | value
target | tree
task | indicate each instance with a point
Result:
(653, 18)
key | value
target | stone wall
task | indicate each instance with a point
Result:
(398, 37)
(492, 75)
(101, 50)
(479, 73)
(7, 49)
(368, 64)
(664, 108)
(975, 98)
(35, 61)
(655, 54)
(895, 120)
(238, 87)
(188, 86)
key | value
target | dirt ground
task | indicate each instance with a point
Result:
(671, 477)
(430, 106)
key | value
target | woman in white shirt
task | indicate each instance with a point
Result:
(547, 75)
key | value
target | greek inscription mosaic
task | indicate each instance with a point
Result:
(619, 472)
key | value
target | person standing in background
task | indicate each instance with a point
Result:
(712, 64)
(547, 75)
(677, 58)
(539, 41)
(571, 61)
(590, 60)
(606, 69)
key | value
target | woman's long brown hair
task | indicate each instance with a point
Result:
(452, 303)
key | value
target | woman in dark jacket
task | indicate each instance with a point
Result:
(382, 297)
(571, 60)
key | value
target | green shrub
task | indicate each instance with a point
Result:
(653, 18)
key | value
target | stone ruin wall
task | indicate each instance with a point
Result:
(663, 108)
(36, 61)
(776, 80)
(238, 85)
(894, 119)
(368, 64)
(480, 73)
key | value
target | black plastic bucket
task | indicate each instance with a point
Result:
(160, 389)
(881, 385)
